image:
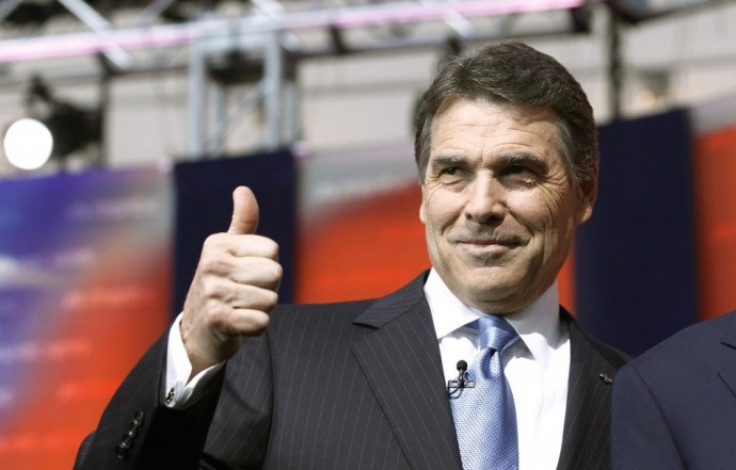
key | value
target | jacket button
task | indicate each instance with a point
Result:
(139, 419)
(126, 442)
(121, 453)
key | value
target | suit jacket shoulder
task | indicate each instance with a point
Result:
(358, 385)
(674, 407)
(354, 385)
(694, 344)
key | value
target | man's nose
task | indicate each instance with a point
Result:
(486, 201)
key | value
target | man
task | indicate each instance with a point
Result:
(507, 156)
(673, 406)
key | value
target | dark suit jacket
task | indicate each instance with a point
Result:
(674, 407)
(343, 386)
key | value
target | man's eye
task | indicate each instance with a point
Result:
(453, 174)
(518, 170)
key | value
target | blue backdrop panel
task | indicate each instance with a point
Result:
(204, 206)
(85, 264)
(635, 260)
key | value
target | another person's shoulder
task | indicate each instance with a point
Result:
(693, 346)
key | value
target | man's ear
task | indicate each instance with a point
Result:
(587, 195)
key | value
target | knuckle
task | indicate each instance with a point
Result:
(220, 321)
(212, 242)
(270, 248)
(277, 272)
(217, 291)
(212, 263)
(260, 323)
(270, 299)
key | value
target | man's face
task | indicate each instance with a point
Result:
(499, 205)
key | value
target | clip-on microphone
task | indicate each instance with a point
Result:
(460, 383)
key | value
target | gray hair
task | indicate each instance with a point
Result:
(517, 74)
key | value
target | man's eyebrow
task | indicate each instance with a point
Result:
(447, 160)
(524, 159)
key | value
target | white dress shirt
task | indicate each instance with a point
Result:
(181, 392)
(537, 367)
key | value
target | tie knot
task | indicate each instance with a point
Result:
(496, 333)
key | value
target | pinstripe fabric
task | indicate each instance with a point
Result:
(343, 386)
(165, 439)
(586, 439)
(402, 364)
(100, 448)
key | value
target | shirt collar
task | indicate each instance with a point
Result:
(538, 325)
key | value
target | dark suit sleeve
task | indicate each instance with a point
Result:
(137, 431)
(641, 437)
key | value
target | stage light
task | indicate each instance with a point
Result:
(73, 128)
(54, 129)
(28, 143)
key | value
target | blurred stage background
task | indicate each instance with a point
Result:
(95, 258)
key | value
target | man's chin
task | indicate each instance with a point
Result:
(494, 297)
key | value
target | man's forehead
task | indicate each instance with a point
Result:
(480, 125)
(474, 125)
(523, 114)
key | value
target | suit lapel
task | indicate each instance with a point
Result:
(727, 372)
(402, 364)
(586, 435)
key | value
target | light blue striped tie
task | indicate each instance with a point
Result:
(485, 418)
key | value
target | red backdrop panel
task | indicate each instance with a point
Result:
(715, 198)
(84, 290)
(362, 248)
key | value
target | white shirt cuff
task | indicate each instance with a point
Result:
(181, 392)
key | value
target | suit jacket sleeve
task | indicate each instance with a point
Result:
(137, 431)
(641, 437)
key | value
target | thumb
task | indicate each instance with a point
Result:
(245, 212)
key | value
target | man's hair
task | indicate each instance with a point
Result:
(514, 73)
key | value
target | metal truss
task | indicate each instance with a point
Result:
(260, 43)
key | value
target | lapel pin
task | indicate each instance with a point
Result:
(605, 378)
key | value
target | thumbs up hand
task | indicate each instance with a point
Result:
(234, 288)
(245, 212)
